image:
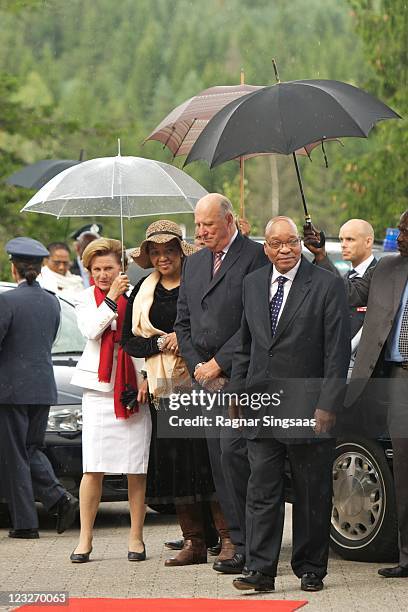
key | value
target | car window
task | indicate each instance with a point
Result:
(69, 339)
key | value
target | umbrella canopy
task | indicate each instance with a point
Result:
(115, 187)
(183, 125)
(285, 117)
(35, 176)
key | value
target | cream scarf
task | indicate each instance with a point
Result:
(165, 371)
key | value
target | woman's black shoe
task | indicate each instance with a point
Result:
(175, 544)
(137, 556)
(80, 557)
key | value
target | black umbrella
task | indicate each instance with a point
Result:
(285, 117)
(35, 176)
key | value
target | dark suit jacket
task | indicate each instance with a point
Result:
(29, 320)
(209, 309)
(380, 289)
(309, 354)
(356, 317)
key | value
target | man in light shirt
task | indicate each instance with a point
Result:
(209, 313)
(356, 238)
(294, 343)
(55, 274)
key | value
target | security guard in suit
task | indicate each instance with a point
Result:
(29, 321)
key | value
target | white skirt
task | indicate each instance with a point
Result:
(111, 445)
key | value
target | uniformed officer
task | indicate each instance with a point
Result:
(29, 321)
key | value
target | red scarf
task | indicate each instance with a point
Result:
(125, 372)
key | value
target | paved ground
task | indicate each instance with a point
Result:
(44, 565)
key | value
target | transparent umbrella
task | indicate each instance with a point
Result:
(123, 187)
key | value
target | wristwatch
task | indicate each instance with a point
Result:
(160, 341)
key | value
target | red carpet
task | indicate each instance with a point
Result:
(171, 605)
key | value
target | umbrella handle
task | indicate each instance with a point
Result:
(322, 236)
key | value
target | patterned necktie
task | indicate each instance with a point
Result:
(352, 274)
(276, 303)
(217, 262)
(403, 337)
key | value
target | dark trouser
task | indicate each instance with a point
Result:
(398, 427)
(235, 467)
(311, 468)
(230, 470)
(26, 473)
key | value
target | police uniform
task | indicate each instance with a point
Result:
(29, 321)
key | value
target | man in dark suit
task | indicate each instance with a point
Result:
(383, 353)
(357, 238)
(294, 341)
(209, 313)
(29, 320)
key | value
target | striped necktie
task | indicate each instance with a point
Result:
(217, 262)
(352, 274)
(403, 337)
(276, 303)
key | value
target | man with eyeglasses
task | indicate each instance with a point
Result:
(55, 274)
(294, 343)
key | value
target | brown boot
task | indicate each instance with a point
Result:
(192, 553)
(227, 547)
(194, 549)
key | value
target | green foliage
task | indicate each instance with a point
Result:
(78, 75)
(376, 184)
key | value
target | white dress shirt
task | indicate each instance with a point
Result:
(286, 287)
(226, 248)
(362, 267)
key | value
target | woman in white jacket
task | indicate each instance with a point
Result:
(115, 436)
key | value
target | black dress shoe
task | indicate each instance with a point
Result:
(24, 534)
(394, 572)
(235, 565)
(137, 556)
(215, 550)
(80, 557)
(255, 581)
(175, 544)
(311, 582)
(66, 510)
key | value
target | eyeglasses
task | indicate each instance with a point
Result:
(276, 245)
(57, 262)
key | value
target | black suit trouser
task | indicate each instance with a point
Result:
(311, 469)
(398, 427)
(26, 473)
(230, 469)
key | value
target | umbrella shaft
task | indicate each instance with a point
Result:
(299, 178)
(241, 187)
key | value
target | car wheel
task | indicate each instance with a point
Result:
(364, 518)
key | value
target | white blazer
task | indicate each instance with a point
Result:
(92, 322)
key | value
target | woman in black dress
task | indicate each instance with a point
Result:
(179, 469)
